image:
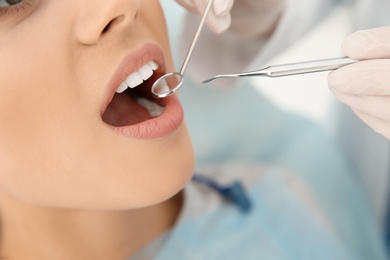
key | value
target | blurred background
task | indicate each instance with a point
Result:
(298, 104)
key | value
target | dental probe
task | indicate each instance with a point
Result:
(291, 69)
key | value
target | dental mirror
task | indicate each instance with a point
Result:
(172, 82)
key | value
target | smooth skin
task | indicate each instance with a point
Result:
(70, 186)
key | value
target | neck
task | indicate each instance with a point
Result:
(31, 232)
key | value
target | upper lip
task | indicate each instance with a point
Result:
(133, 62)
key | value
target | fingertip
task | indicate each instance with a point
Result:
(219, 24)
(368, 78)
(355, 45)
(343, 80)
(368, 44)
(222, 7)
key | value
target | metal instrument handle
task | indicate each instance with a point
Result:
(308, 67)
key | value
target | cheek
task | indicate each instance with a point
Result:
(39, 132)
(32, 96)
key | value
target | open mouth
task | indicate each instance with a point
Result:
(133, 102)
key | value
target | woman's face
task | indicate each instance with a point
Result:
(66, 138)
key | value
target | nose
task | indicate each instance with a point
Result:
(100, 17)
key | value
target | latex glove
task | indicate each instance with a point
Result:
(365, 86)
(218, 19)
(256, 19)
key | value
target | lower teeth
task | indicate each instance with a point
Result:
(154, 109)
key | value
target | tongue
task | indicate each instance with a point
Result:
(124, 110)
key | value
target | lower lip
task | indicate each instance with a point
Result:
(167, 123)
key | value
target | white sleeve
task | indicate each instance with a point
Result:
(224, 53)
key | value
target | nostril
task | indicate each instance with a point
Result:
(113, 22)
(107, 27)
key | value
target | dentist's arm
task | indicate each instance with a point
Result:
(248, 18)
(219, 18)
(365, 86)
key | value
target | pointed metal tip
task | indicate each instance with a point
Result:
(222, 76)
(207, 80)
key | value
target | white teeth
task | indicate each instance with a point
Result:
(154, 109)
(153, 65)
(164, 88)
(145, 72)
(121, 88)
(136, 78)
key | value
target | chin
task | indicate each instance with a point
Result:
(111, 184)
(162, 178)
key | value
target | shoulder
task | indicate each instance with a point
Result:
(271, 191)
(283, 215)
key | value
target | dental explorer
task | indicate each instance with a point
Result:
(291, 69)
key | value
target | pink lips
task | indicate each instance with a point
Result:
(158, 127)
(173, 114)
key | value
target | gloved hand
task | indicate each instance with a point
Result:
(219, 18)
(249, 18)
(365, 86)
(256, 19)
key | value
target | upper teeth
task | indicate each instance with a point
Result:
(136, 78)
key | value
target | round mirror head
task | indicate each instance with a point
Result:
(167, 85)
